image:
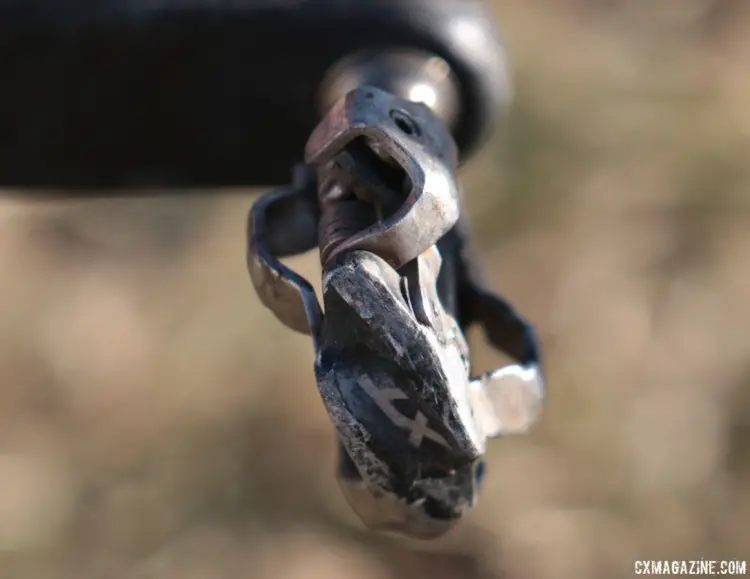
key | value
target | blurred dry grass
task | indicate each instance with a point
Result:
(155, 422)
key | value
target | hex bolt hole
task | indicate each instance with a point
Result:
(405, 123)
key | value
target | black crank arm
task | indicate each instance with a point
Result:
(199, 93)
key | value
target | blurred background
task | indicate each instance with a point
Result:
(157, 423)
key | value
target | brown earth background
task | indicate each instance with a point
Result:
(157, 423)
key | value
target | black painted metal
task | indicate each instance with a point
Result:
(194, 93)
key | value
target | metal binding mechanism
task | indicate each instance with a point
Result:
(378, 195)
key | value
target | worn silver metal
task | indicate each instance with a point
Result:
(392, 363)
(410, 74)
(288, 295)
(405, 136)
(507, 400)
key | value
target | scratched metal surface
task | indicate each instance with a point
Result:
(156, 422)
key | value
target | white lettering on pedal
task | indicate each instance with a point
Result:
(418, 427)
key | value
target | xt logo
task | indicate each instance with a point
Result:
(418, 427)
